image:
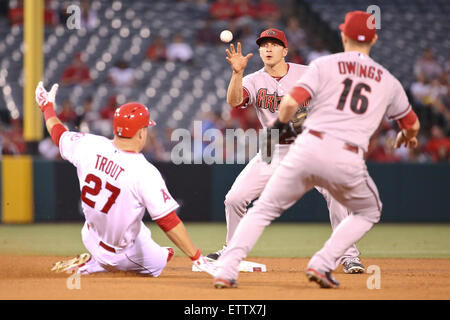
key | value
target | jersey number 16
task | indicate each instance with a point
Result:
(359, 102)
(95, 190)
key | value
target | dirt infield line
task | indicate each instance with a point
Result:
(29, 277)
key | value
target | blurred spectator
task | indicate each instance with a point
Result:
(89, 19)
(104, 124)
(76, 73)
(381, 145)
(67, 115)
(295, 35)
(294, 55)
(436, 93)
(157, 50)
(86, 120)
(438, 146)
(427, 65)
(179, 50)
(15, 14)
(244, 11)
(319, 50)
(50, 15)
(107, 112)
(48, 149)
(221, 10)
(417, 156)
(7, 147)
(419, 88)
(13, 141)
(121, 75)
(268, 10)
(207, 35)
(381, 150)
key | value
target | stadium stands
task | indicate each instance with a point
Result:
(178, 92)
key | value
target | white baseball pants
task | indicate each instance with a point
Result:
(251, 182)
(145, 256)
(310, 162)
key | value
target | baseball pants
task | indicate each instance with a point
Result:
(311, 161)
(251, 182)
(145, 256)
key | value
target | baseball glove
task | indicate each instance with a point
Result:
(298, 119)
(288, 132)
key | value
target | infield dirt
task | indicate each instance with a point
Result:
(29, 277)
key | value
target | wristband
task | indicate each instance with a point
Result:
(196, 255)
(48, 111)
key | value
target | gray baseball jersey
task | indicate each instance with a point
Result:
(351, 94)
(265, 92)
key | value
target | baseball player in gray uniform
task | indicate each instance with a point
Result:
(264, 90)
(350, 93)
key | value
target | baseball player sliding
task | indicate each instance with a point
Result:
(264, 90)
(350, 93)
(117, 185)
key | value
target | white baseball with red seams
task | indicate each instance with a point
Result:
(226, 36)
(116, 189)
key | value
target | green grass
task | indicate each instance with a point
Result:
(278, 240)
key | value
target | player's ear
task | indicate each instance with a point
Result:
(285, 52)
(143, 132)
(374, 40)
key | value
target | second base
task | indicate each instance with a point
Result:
(244, 266)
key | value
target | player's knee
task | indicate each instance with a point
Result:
(234, 200)
(373, 215)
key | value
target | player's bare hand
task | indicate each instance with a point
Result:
(235, 58)
(409, 143)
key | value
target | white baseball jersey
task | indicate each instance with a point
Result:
(351, 94)
(265, 92)
(116, 187)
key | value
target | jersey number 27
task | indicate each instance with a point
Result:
(95, 190)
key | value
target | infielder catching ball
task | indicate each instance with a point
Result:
(264, 90)
(350, 93)
(117, 184)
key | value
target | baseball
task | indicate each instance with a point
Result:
(226, 36)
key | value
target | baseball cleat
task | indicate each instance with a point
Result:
(353, 265)
(222, 283)
(216, 255)
(71, 264)
(171, 253)
(324, 279)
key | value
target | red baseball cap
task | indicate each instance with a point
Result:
(274, 34)
(356, 26)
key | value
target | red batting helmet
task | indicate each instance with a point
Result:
(129, 118)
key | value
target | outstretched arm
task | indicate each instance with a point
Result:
(177, 233)
(238, 63)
